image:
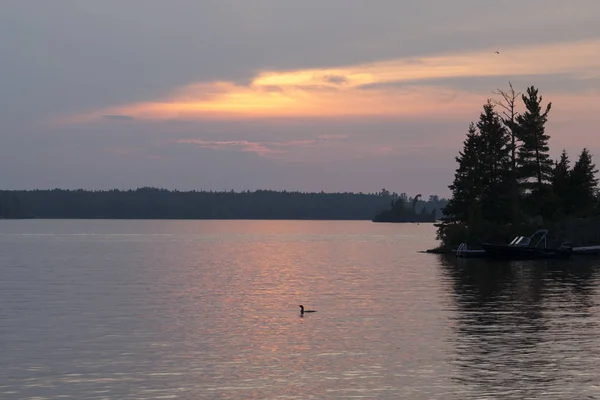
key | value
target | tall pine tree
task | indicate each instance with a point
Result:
(583, 184)
(561, 182)
(467, 185)
(479, 189)
(533, 161)
(495, 165)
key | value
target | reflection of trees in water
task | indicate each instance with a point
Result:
(524, 328)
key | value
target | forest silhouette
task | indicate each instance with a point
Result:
(154, 203)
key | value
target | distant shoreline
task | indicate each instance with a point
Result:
(162, 204)
(211, 219)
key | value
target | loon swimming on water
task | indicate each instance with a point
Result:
(302, 310)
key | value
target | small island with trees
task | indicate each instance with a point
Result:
(404, 209)
(506, 183)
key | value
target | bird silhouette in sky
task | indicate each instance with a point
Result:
(497, 52)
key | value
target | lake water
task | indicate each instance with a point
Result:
(209, 310)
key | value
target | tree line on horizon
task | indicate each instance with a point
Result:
(506, 180)
(155, 203)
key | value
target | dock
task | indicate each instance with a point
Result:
(463, 251)
(586, 250)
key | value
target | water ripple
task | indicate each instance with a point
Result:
(209, 309)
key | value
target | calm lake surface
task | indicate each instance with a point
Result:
(209, 310)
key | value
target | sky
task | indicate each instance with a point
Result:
(312, 95)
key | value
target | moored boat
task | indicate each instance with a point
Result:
(528, 248)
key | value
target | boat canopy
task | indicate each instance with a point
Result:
(527, 241)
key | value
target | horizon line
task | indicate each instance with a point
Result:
(391, 193)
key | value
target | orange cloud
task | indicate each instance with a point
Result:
(334, 92)
(265, 149)
(323, 148)
(241, 145)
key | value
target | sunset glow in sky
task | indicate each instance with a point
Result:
(400, 87)
(324, 95)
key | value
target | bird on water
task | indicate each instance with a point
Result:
(302, 310)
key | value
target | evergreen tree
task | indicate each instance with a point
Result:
(583, 184)
(467, 185)
(533, 160)
(494, 165)
(561, 182)
(482, 181)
